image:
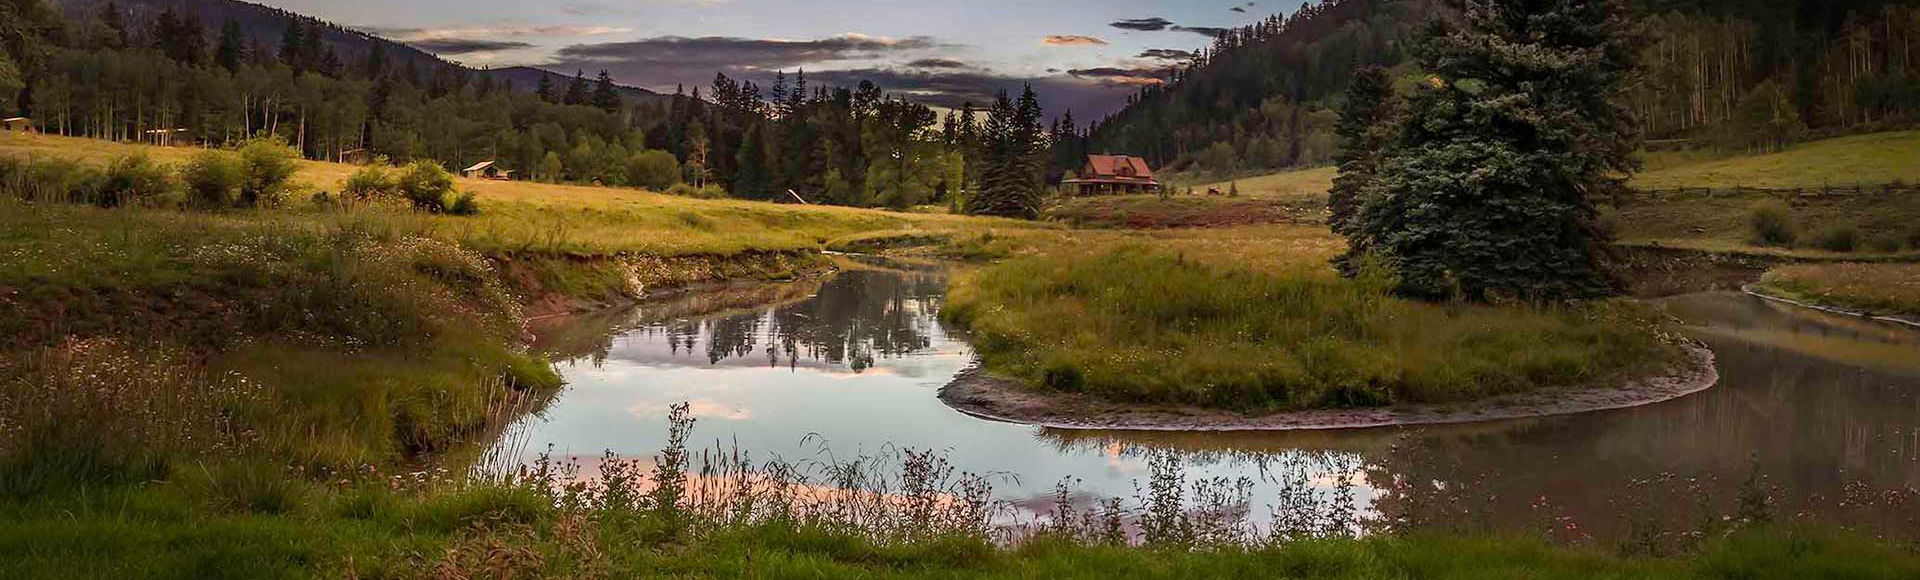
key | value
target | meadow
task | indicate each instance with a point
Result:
(1880, 289)
(1181, 323)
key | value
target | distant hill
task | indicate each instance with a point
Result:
(263, 27)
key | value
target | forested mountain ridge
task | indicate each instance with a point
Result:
(262, 28)
(1738, 74)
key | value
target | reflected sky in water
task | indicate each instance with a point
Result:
(852, 365)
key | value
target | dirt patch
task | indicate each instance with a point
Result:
(977, 393)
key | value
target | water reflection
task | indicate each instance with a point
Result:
(1828, 407)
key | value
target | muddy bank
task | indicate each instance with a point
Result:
(553, 285)
(977, 393)
(1762, 291)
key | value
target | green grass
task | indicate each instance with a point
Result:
(1873, 159)
(563, 219)
(1154, 326)
(1873, 288)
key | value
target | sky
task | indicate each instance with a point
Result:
(1083, 55)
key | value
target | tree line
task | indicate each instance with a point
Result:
(1734, 74)
(174, 81)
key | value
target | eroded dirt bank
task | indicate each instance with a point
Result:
(980, 394)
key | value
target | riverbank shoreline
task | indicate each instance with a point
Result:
(1760, 291)
(980, 394)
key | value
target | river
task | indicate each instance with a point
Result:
(1822, 411)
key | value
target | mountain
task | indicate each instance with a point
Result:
(1735, 74)
(262, 26)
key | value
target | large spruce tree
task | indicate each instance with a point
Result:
(1488, 191)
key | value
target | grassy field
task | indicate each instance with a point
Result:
(1873, 159)
(1192, 322)
(566, 219)
(1882, 289)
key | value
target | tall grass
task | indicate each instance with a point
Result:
(1143, 325)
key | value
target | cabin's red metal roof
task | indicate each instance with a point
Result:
(1110, 167)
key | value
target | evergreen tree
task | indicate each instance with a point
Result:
(293, 45)
(1011, 166)
(1488, 193)
(1364, 130)
(231, 52)
(576, 90)
(605, 95)
(545, 90)
(377, 60)
(114, 23)
(753, 180)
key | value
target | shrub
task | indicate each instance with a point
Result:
(1772, 223)
(1839, 239)
(653, 169)
(367, 183)
(709, 192)
(214, 178)
(1885, 244)
(130, 179)
(426, 185)
(54, 180)
(269, 164)
(464, 205)
(1913, 238)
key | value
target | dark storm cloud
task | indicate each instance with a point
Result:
(1202, 30)
(1167, 54)
(940, 63)
(1155, 24)
(1126, 76)
(453, 46)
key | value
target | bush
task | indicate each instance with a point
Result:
(426, 185)
(709, 192)
(1913, 238)
(367, 183)
(55, 180)
(214, 178)
(464, 205)
(1772, 223)
(130, 179)
(1839, 239)
(269, 164)
(653, 169)
(1885, 244)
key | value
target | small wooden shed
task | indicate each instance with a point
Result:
(21, 124)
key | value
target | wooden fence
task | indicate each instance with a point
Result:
(1824, 190)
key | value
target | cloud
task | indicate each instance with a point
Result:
(1124, 76)
(1072, 40)
(1155, 24)
(938, 63)
(415, 34)
(1168, 54)
(1203, 30)
(453, 46)
(662, 59)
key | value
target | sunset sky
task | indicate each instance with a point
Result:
(1085, 55)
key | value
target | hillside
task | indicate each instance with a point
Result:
(1749, 75)
(263, 26)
